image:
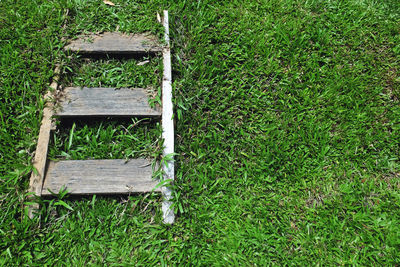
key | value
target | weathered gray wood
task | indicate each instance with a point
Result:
(82, 177)
(39, 162)
(115, 43)
(85, 101)
(167, 126)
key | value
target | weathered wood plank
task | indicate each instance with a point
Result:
(115, 43)
(82, 177)
(39, 162)
(85, 101)
(168, 126)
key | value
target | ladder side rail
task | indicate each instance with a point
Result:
(39, 162)
(167, 126)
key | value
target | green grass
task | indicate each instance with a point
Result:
(107, 139)
(287, 134)
(113, 73)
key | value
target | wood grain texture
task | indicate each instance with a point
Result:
(39, 162)
(115, 43)
(85, 101)
(167, 126)
(82, 177)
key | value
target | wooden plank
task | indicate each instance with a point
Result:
(85, 101)
(39, 162)
(82, 177)
(115, 43)
(168, 126)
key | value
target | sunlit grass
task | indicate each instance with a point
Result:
(287, 134)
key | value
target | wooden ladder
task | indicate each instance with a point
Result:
(86, 177)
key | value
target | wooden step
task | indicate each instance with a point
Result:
(85, 177)
(115, 43)
(98, 101)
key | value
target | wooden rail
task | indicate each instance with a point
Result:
(168, 127)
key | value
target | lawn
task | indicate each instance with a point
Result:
(287, 134)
